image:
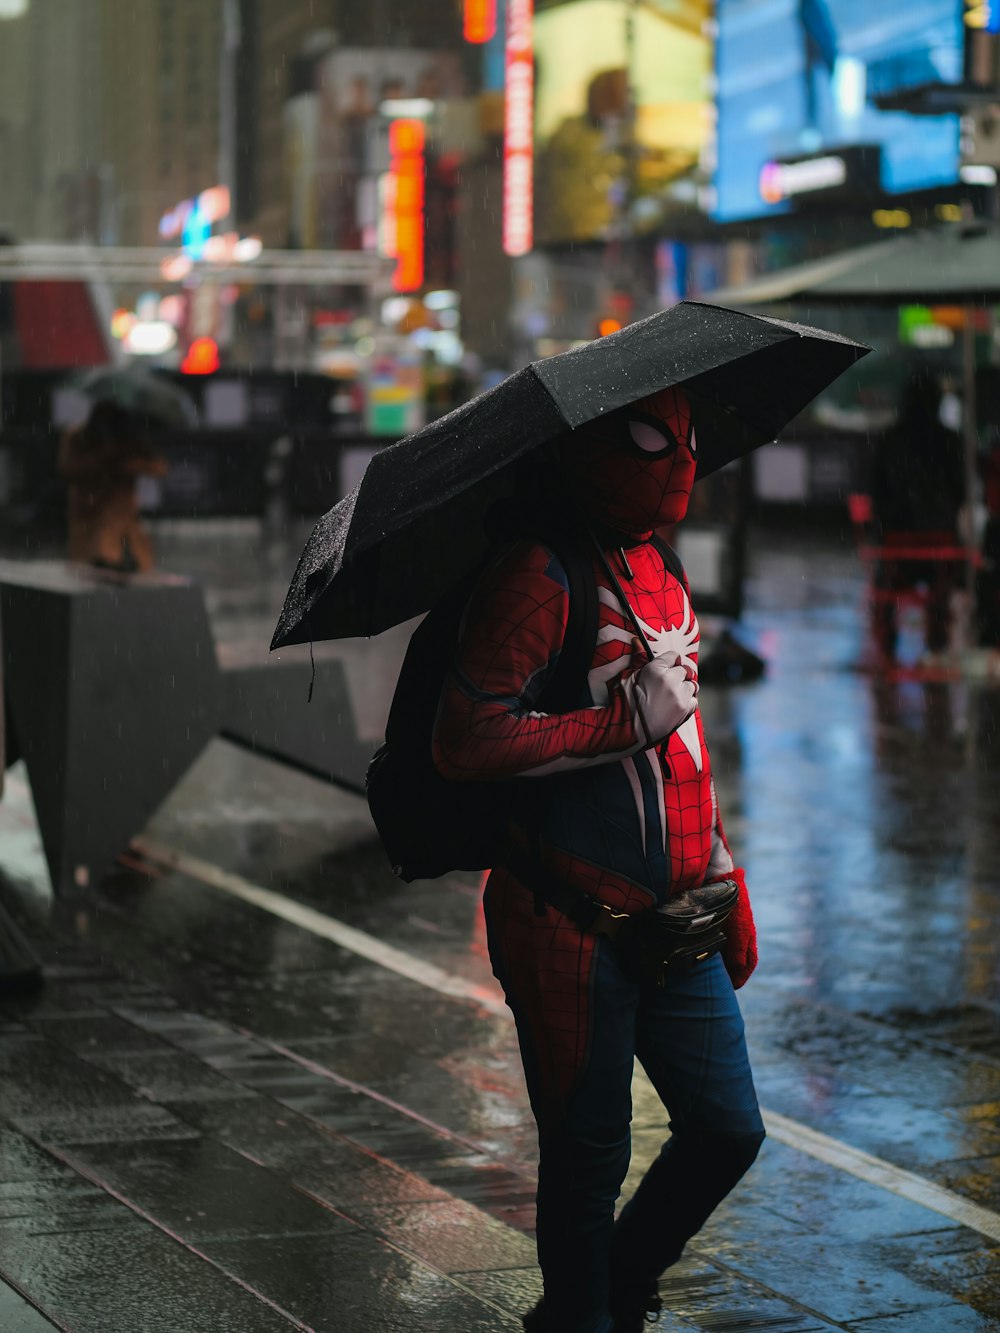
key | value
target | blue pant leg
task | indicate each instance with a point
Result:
(690, 1040)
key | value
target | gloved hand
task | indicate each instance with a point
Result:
(662, 695)
(740, 950)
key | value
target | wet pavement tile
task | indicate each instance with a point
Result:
(148, 1065)
(700, 1295)
(357, 1167)
(914, 1137)
(977, 1179)
(359, 1114)
(199, 1189)
(132, 1278)
(96, 1035)
(196, 1033)
(322, 1162)
(827, 1275)
(169, 1076)
(17, 1316)
(454, 1236)
(959, 1262)
(24, 1162)
(47, 1206)
(513, 1289)
(955, 1318)
(815, 1197)
(356, 1283)
(478, 1179)
(200, 924)
(60, 1099)
(76, 998)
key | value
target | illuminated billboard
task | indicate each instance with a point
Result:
(588, 54)
(799, 86)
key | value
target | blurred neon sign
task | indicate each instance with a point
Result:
(518, 136)
(404, 203)
(196, 215)
(479, 20)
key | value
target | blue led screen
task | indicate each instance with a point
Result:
(798, 78)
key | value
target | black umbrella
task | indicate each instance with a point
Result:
(141, 391)
(414, 524)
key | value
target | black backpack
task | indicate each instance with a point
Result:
(429, 825)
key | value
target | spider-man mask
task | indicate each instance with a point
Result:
(634, 468)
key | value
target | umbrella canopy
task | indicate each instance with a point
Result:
(945, 266)
(415, 523)
(140, 391)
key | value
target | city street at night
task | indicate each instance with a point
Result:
(286, 1087)
(500, 666)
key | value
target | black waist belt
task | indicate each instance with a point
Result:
(686, 930)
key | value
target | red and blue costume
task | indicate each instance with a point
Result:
(631, 818)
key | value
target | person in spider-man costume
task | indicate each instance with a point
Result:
(633, 820)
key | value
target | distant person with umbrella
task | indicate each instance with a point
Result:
(917, 490)
(101, 461)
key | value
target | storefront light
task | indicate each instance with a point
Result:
(983, 15)
(172, 310)
(202, 357)
(406, 158)
(781, 180)
(150, 337)
(928, 336)
(395, 308)
(891, 217)
(407, 108)
(479, 20)
(247, 249)
(121, 321)
(175, 268)
(975, 174)
(441, 300)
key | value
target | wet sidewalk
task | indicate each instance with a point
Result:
(268, 1087)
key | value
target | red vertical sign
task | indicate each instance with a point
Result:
(406, 156)
(479, 20)
(519, 129)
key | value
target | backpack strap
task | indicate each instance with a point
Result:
(563, 690)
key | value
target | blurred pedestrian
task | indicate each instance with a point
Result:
(917, 490)
(102, 461)
(624, 824)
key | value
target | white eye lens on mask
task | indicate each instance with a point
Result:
(649, 439)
